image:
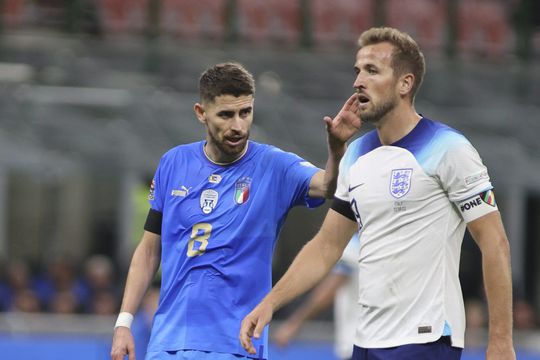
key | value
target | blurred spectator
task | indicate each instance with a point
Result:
(26, 300)
(64, 302)
(99, 273)
(475, 313)
(476, 322)
(104, 303)
(60, 277)
(18, 292)
(525, 317)
(99, 279)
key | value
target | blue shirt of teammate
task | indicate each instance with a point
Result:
(219, 227)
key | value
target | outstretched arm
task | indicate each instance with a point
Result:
(340, 129)
(144, 265)
(320, 298)
(313, 262)
(489, 234)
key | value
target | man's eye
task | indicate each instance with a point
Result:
(225, 115)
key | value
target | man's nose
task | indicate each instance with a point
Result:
(236, 123)
(359, 82)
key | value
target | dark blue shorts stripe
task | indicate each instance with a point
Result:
(439, 350)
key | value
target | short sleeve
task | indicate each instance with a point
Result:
(466, 180)
(462, 173)
(155, 194)
(298, 173)
(292, 176)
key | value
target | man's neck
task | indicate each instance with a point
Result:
(397, 124)
(216, 156)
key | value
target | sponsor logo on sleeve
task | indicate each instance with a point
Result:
(476, 178)
(152, 190)
(241, 190)
(400, 182)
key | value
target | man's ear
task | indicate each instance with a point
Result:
(406, 84)
(199, 112)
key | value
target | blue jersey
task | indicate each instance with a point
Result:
(220, 224)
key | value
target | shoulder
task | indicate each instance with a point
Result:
(446, 136)
(442, 145)
(181, 151)
(437, 139)
(361, 146)
(271, 152)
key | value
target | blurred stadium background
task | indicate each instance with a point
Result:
(92, 92)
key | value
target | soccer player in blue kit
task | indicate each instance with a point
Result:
(217, 207)
(410, 187)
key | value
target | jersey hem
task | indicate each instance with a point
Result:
(456, 342)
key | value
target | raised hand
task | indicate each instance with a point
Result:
(345, 124)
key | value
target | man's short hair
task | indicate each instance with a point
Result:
(228, 78)
(406, 56)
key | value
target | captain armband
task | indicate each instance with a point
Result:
(477, 206)
(153, 222)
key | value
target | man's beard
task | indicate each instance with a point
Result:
(229, 150)
(378, 112)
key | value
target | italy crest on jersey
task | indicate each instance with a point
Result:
(400, 182)
(241, 190)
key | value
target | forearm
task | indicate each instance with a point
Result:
(489, 234)
(498, 286)
(335, 153)
(142, 269)
(313, 262)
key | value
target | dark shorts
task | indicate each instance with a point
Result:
(438, 350)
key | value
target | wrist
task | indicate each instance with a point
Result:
(337, 149)
(124, 319)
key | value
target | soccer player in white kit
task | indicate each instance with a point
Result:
(411, 187)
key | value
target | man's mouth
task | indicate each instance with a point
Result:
(234, 140)
(362, 99)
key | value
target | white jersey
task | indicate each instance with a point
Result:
(345, 304)
(412, 200)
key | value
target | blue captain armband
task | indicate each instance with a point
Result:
(153, 222)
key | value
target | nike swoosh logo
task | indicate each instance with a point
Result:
(351, 188)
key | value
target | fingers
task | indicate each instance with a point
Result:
(246, 333)
(131, 352)
(351, 101)
(328, 121)
(122, 344)
(259, 329)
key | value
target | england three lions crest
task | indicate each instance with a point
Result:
(400, 182)
(241, 190)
